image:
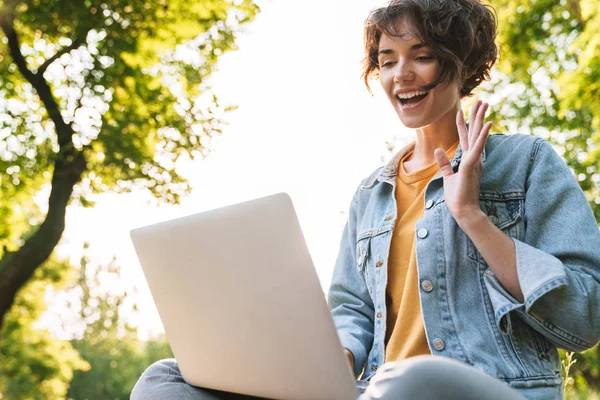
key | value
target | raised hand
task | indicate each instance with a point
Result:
(461, 189)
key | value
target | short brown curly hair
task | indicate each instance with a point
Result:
(460, 33)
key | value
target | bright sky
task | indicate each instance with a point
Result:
(306, 125)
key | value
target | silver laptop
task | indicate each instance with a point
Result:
(242, 305)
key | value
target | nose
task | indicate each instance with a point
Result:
(404, 71)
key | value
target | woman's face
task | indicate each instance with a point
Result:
(405, 64)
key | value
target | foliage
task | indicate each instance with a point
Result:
(97, 96)
(116, 364)
(548, 80)
(582, 394)
(125, 81)
(33, 364)
(104, 360)
(586, 372)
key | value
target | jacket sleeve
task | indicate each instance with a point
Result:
(558, 262)
(351, 306)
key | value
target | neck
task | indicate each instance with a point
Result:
(443, 133)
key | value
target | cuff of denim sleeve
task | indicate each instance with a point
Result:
(538, 272)
(357, 349)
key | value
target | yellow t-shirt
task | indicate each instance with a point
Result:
(405, 333)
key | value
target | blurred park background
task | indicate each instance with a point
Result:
(116, 114)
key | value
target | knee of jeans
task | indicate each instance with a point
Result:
(161, 367)
(154, 375)
(407, 378)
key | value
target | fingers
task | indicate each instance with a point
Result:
(483, 135)
(473, 117)
(480, 120)
(476, 125)
(476, 134)
(442, 160)
(462, 130)
(477, 121)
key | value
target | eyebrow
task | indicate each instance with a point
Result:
(412, 48)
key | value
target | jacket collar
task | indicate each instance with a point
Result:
(390, 171)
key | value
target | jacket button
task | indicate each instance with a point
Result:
(422, 233)
(379, 315)
(374, 367)
(493, 219)
(379, 264)
(438, 344)
(427, 286)
(388, 218)
(429, 204)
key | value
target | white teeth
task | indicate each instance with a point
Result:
(410, 94)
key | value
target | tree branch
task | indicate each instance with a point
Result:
(63, 131)
(79, 105)
(76, 43)
(575, 7)
(13, 44)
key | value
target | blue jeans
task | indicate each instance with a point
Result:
(423, 377)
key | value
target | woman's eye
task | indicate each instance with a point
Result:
(386, 64)
(425, 58)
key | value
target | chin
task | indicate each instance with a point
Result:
(413, 125)
(412, 122)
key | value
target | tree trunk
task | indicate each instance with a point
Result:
(16, 268)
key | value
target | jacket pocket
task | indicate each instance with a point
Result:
(363, 250)
(369, 256)
(362, 253)
(505, 210)
(534, 349)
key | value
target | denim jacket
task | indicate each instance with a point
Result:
(529, 193)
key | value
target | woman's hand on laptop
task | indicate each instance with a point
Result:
(349, 357)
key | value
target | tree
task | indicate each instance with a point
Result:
(97, 96)
(549, 80)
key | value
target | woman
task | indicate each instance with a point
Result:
(467, 259)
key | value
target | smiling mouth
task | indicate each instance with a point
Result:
(412, 100)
